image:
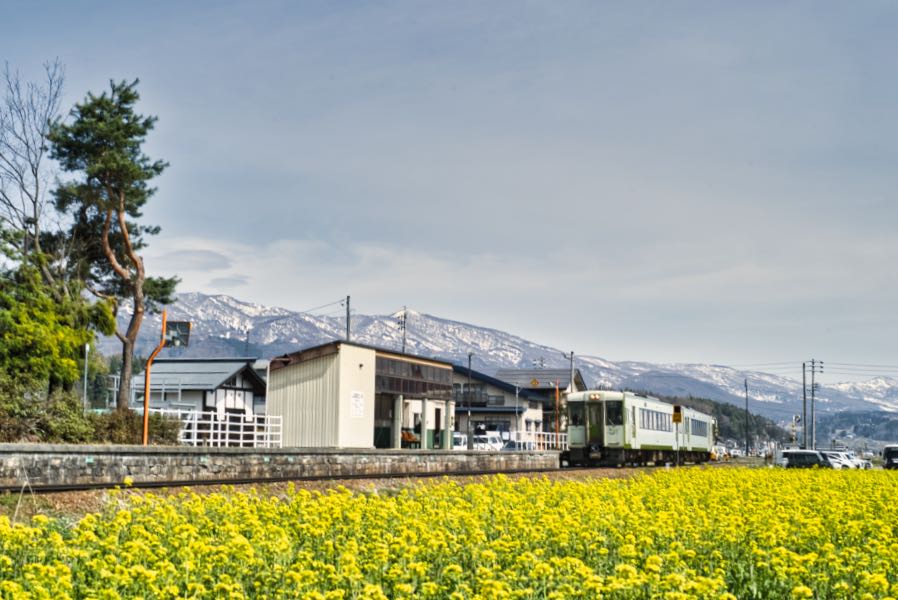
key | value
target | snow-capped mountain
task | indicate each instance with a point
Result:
(225, 326)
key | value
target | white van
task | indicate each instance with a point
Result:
(488, 441)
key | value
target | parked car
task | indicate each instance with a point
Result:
(805, 459)
(459, 441)
(488, 441)
(839, 460)
(850, 455)
(890, 457)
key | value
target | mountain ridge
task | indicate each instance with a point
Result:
(225, 326)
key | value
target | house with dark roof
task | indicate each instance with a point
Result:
(547, 387)
(221, 385)
(494, 405)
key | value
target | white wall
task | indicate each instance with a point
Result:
(355, 412)
(221, 401)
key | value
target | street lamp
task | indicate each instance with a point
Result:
(468, 427)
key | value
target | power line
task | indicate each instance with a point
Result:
(340, 301)
(872, 374)
(866, 370)
(771, 364)
(895, 367)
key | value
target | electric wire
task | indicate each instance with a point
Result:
(314, 308)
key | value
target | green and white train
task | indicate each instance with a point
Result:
(622, 428)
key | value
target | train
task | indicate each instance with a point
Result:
(607, 428)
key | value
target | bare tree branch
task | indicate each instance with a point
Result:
(27, 112)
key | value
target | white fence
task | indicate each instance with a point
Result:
(539, 440)
(231, 430)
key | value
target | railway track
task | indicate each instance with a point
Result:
(556, 473)
(217, 482)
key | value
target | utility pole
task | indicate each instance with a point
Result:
(347, 318)
(84, 397)
(468, 395)
(402, 321)
(746, 417)
(804, 406)
(557, 417)
(571, 357)
(816, 367)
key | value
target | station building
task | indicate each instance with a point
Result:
(348, 395)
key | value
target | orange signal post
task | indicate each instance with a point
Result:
(557, 426)
(146, 384)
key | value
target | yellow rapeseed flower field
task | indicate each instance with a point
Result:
(682, 533)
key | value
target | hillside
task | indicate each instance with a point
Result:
(226, 326)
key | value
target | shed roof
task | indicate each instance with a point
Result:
(304, 354)
(199, 373)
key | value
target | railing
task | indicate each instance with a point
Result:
(539, 440)
(230, 430)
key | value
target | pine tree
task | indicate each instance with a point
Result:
(102, 145)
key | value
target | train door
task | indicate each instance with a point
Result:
(614, 423)
(595, 429)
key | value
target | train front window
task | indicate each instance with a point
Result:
(575, 410)
(614, 413)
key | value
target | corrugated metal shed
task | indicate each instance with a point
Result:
(199, 374)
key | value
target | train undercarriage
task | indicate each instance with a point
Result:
(621, 457)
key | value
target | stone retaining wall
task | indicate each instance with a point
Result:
(56, 465)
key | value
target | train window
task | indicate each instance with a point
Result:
(595, 414)
(699, 428)
(575, 409)
(614, 413)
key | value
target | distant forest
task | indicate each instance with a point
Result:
(731, 420)
(872, 425)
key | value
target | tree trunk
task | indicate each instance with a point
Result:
(124, 389)
(129, 341)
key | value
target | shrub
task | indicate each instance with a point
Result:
(30, 414)
(126, 427)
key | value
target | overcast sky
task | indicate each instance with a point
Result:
(682, 182)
